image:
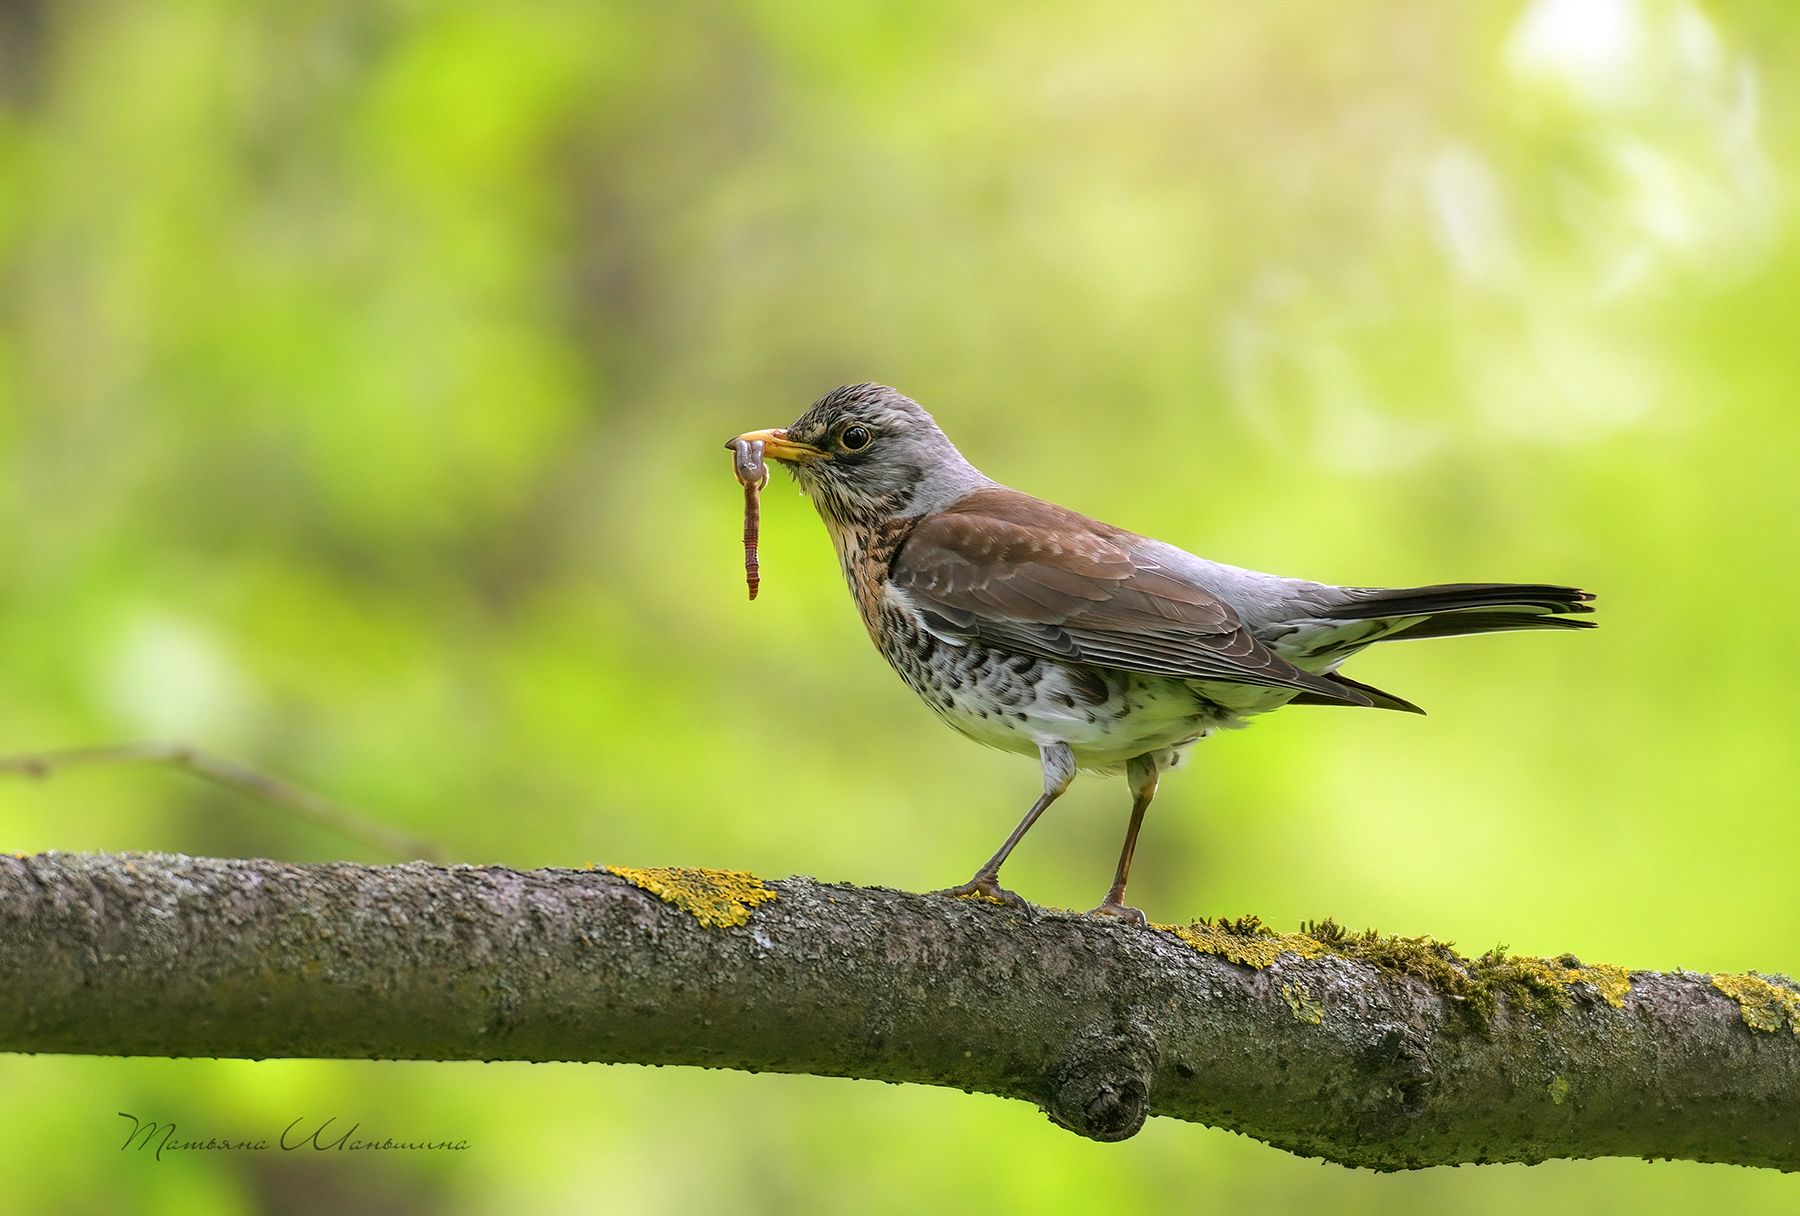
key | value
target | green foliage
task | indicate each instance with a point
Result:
(363, 374)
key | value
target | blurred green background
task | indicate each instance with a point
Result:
(363, 374)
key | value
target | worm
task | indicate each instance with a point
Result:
(753, 475)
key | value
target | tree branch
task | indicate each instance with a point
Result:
(1390, 1053)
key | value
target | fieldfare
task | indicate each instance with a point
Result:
(1031, 628)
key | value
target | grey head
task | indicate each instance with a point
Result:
(866, 454)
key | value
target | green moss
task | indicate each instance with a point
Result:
(1425, 959)
(1245, 941)
(716, 898)
(1553, 978)
(1559, 1089)
(1763, 1004)
(1303, 1004)
(1479, 984)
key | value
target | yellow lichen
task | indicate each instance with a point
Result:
(1611, 984)
(1245, 941)
(1559, 1089)
(983, 897)
(1763, 1005)
(1478, 984)
(1301, 1002)
(716, 898)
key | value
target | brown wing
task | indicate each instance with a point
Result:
(1021, 574)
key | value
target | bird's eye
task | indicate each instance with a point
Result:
(855, 438)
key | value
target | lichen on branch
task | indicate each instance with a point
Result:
(718, 899)
(1480, 982)
(1370, 1050)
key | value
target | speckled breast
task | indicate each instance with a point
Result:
(1018, 702)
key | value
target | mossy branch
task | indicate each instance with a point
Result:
(1380, 1052)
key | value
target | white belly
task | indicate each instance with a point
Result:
(1142, 715)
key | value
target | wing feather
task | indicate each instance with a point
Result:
(1011, 571)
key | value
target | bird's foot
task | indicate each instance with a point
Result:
(987, 886)
(1119, 911)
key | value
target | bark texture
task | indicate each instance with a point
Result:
(1365, 1052)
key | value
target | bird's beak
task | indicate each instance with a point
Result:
(776, 444)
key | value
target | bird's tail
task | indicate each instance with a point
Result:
(1452, 609)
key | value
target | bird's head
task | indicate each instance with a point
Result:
(865, 454)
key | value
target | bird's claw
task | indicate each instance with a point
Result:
(987, 886)
(1131, 916)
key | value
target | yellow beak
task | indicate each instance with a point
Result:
(777, 445)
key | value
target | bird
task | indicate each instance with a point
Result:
(1035, 629)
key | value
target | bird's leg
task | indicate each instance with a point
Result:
(1059, 770)
(1141, 772)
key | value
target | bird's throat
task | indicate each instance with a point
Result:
(864, 555)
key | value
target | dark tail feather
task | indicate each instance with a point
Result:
(1456, 624)
(1378, 698)
(1454, 609)
(1374, 603)
(1446, 610)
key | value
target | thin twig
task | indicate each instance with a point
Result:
(282, 795)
